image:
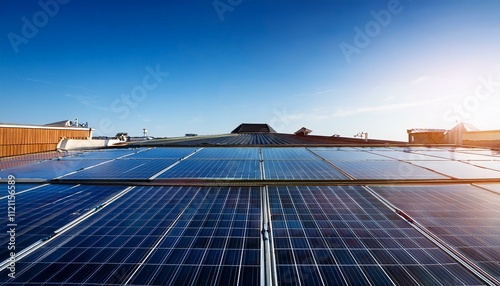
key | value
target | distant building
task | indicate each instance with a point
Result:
(122, 136)
(19, 139)
(426, 136)
(464, 134)
(454, 135)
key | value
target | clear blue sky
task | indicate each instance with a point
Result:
(177, 67)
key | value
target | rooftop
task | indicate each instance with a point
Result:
(257, 209)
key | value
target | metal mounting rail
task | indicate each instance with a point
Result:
(268, 267)
(261, 165)
(268, 182)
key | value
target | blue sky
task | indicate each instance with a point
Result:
(176, 67)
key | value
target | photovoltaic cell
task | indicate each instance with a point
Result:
(417, 148)
(162, 153)
(407, 156)
(49, 169)
(334, 155)
(487, 152)
(215, 242)
(211, 236)
(345, 236)
(13, 161)
(465, 217)
(494, 165)
(157, 236)
(333, 148)
(458, 169)
(301, 170)
(468, 149)
(41, 211)
(214, 169)
(492, 187)
(390, 170)
(228, 153)
(104, 154)
(18, 188)
(369, 149)
(290, 153)
(459, 156)
(123, 169)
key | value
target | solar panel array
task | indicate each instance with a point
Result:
(256, 216)
(465, 217)
(264, 163)
(345, 236)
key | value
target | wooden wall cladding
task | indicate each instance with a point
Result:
(21, 140)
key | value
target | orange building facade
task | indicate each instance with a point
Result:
(26, 139)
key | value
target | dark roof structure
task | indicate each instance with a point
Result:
(260, 139)
(257, 209)
(254, 128)
(260, 135)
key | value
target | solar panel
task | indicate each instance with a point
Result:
(228, 153)
(458, 169)
(319, 235)
(19, 188)
(218, 243)
(468, 149)
(157, 236)
(333, 148)
(104, 153)
(49, 169)
(345, 155)
(123, 169)
(491, 187)
(413, 148)
(388, 170)
(454, 155)
(42, 210)
(465, 217)
(494, 165)
(162, 153)
(288, 154)
(343, 235)
(369, 149)
(214, 169)
(301, 170)
(407, 156)
(488, 152)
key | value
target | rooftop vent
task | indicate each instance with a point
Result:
(254, 128)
